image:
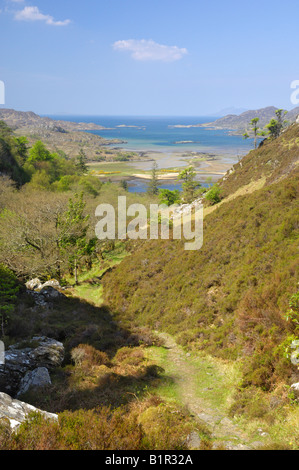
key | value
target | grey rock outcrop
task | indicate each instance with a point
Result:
(14, 412)
(49, 353)
(44, 294)
(41, 352)
(36, 378)
(50, 293)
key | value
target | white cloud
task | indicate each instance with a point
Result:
(33, 14)
(149, 50)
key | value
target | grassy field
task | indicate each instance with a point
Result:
(113, 168)
(89, 286)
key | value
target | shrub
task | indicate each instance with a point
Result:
(9, 287)
(214, 195)
(146, 425)
(293, 312)
(88, 355)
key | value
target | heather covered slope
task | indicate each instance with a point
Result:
(273, 160)
(231, 297)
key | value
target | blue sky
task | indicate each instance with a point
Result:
(147, 57)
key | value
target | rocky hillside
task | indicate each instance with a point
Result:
(241, 122)
(20, 119)
(272, 161)
(68, 137)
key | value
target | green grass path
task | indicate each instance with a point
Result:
(205, 386)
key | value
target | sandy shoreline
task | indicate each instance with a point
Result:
(165, 176)
(206, 164)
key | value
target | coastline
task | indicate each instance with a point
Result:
(208, 166)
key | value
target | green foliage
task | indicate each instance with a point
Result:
(73, 226)
(169, 197)
(81, 162)
(252, 403)
(104, 429)
(273, 160)
(22, 148)
(9, 288)
(124, 185)
(12, 154)
(5, 131)
(276, 126)
(39, 153)
(255, 130)
(293, 311)
(90, 185)
(189, 184)
(41, 180)
(230, 296)
(66, 183)
(273, 128)
(122, 158)
(153, 186)
(46, 168)
(214, 194)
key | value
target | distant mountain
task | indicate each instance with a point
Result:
(293, 114)
(28, 119)
(226, 111)
(69, 137)
(241, 122)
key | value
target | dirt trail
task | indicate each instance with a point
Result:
(183, 372)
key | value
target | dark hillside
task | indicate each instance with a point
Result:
(9, 164)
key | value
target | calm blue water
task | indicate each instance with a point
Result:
(157, 134)
(141, 186)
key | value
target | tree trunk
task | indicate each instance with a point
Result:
(76, 273)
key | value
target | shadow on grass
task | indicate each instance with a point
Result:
(75, 322)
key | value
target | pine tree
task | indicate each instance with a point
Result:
(81, 162)
(153, 187)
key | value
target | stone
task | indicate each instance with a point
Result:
(231, 446)
(52, 283)
(45, 296)
(41, 352)
(36, 378)
(14, 412)
(39, 299)
(194, 441)
(50, 293)
(37, 285)
(34, 284)
(49, 353)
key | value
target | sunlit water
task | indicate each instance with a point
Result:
(158, 135)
